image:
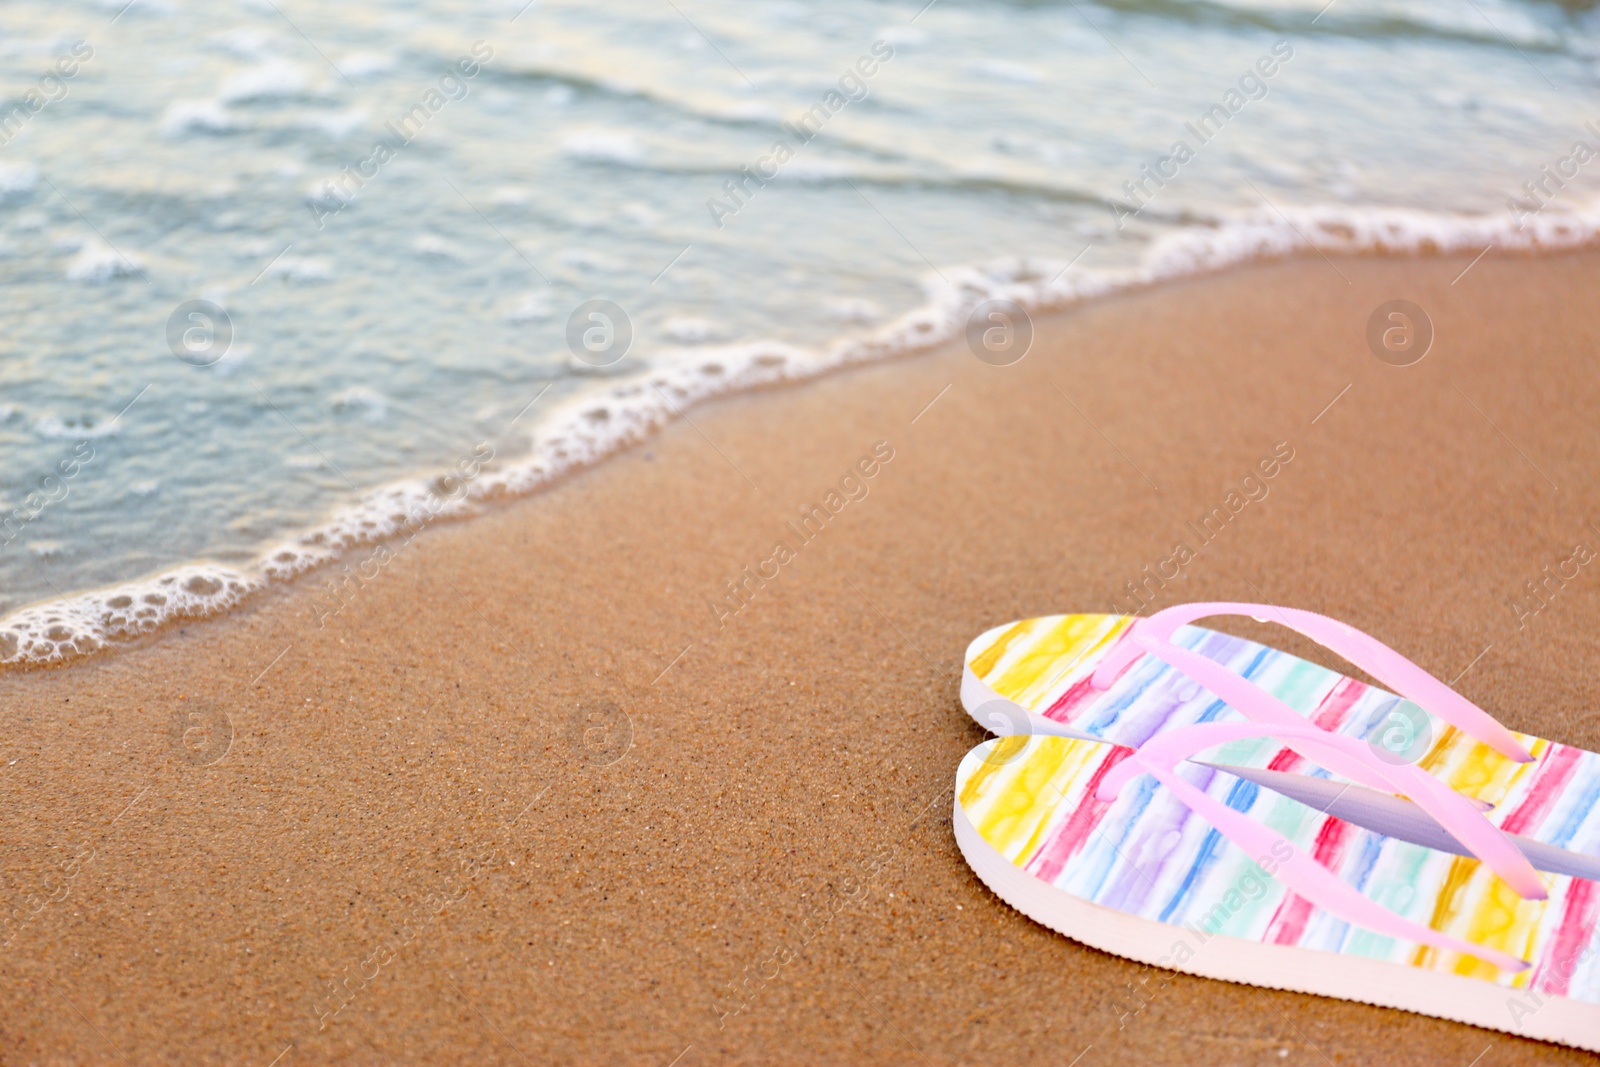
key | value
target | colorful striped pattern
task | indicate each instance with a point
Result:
(1149, 855)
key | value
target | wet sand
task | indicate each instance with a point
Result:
(534, 796)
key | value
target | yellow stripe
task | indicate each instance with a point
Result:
(1009, 803)
(1501, 920)
(1080, 757)
(995, 652)
(1477, 905)
(1473, 768)
(997, 760)
(1444, 905)
(1073, 639)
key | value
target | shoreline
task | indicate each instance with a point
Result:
(526, 798)
(590, 427)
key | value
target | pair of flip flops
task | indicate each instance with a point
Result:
(1209, 805)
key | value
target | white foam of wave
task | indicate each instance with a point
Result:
(269, 80)
(432, 246)
(365, 64)
(817, 170)
(587, 427)
(533, 307)
(97, 263)
(854, 309)
(1354, 230)
(246, 42)
(335, 124)
(689, 329)
(751, 111)
(76, 626)
(1004, 70)
(300, 269)
(640, 214)
(16, 178)
(603, 146)
(901, 36)
(510, 196)
(56, 428)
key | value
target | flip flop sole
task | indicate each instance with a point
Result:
(1146, 878)
(1298, 970)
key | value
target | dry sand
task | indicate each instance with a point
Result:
(411, 806)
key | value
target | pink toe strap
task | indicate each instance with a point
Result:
(1301, 873)
(1365, 651)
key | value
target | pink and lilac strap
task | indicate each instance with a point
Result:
(1259, 706)
(1302, 874)
(1365, 651)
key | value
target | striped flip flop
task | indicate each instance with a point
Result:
(1147, 877)
(1193, 867)
(1123, 678)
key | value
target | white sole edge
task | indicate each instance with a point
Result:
(1299, 970)
(975, 693)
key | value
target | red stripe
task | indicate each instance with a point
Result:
(1329, 715)
(1289, 923)
(1577, 927)
(1069, 701)
(1550, 778)
(1071, 834)
(1340, 699)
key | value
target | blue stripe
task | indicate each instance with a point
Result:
(1579, 810)
(1241, 798)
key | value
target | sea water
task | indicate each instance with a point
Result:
(284, 278)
